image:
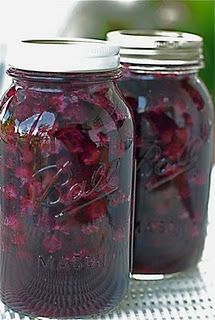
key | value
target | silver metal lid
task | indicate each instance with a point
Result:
(159, 50)
(64, 55)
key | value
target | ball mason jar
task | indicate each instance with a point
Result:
(66, 143)
(173, 116)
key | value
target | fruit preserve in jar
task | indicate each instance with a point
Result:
(66, 143)
(173, 117)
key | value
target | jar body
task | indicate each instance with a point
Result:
(65, 202)
(173, 117)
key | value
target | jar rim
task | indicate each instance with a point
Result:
(164, 49)
(64, 55)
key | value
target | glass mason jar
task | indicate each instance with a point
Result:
(66, 141)
(173, 117)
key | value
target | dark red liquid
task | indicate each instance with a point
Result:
(65, 199)
(173, 149)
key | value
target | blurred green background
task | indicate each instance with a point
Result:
(94, 18)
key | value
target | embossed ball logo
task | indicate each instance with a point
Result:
(66, 188)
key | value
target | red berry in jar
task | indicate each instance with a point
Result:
(172, 111)
(66, 140)
(95, 210)
(12, 222)
(91, 155)
(52, 244)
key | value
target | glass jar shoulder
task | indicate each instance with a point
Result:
(150, 91)
(63, 105)
(199, 92)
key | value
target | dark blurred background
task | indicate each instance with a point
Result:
(94, 18)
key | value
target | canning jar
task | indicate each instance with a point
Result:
(66, 143)
(173, 116)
